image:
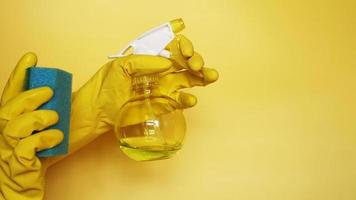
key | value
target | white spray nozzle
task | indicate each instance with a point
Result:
(154, 41)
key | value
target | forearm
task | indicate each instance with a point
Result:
(85, 123)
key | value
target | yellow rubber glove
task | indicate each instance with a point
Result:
(94, 109)
(21, 172)
(96, 105)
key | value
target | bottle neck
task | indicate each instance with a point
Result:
(145, 85)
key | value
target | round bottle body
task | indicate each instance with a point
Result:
(150, 127)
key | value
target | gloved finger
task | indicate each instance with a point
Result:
(142, 64)
(196, 62)
(23, 125)
(25, 102)
(186, 79)
(17, 80)
(186, 46)
(26, 149)
(186, 100)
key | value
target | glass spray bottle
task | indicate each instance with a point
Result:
(150, 125)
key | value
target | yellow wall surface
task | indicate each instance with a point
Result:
(279, 124)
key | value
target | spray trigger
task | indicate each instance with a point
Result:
(154, 41)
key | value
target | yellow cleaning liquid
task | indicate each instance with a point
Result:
(154, 139)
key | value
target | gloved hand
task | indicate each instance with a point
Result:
(94, 109)
(96, 105)
(21, 172)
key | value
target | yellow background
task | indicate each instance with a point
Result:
(279, 124)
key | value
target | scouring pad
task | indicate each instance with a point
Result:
(61, 84)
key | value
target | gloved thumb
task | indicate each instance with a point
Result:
(17, 80)
(143, 64)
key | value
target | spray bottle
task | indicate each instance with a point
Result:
(151, 125)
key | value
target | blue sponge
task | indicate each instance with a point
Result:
(61, 84)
